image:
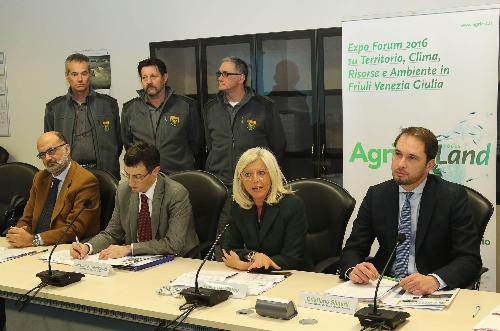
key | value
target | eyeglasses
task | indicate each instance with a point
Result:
(246, 175)
(225, 74)
(51, 151)
(136, 178)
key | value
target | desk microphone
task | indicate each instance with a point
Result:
(57, 277)
(373, 317)
(205, 296)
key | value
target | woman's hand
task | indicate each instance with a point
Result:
(262, 260)
(232, 260)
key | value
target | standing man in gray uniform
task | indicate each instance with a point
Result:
(89, 120)
(236, 120)
(159, 117)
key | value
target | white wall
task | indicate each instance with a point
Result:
(36, 37)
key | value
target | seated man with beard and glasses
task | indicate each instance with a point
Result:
(57, 195)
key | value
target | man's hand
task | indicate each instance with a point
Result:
(115, 251)
(419, 284)
(262, 260)
(363, 272)
(232, 260)
(19, 237)
(78, 251)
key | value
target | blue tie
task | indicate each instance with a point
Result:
(403, 250)
(46, 215)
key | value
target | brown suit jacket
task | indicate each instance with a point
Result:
(78, 186)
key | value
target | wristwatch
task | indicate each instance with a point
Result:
(37, 240)
(250, 256)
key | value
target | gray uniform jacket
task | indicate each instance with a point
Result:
(178, 131)
(104, 115)
(229, 132)
(171, 221)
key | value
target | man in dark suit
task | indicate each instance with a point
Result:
(152, 213)
(441, 249)
(58, 193)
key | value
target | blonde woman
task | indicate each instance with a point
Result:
(269, 224)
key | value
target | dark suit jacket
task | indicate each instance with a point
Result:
(171, 221)
(447, 241)
(281, 234)
(78, 186)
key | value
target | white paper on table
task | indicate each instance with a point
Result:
(362, 292)
(256, 283)
(490, 322)
(7, 254)
(187, 279)
(64, 257)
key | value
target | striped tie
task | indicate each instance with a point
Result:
(403, 250)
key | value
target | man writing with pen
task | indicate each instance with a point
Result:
(152, 213)
(441, 245)
(57, 194)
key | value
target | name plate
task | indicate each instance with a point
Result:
(239, 291)
(328, 302)
(93, 268)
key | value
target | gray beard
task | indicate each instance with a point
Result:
(59, 166)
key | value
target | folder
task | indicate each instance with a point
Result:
(136, 263)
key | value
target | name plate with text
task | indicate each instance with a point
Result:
(93, 268)
(328, 302)
(238, 291)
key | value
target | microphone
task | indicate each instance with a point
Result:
(204, 296)
(57, 277)
(373, 317)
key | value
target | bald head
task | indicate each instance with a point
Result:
(48, 137)
(54, 151)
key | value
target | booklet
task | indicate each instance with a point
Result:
(436, 301)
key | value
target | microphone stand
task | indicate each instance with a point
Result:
(374, 317)
(204, 296)
(57, 277)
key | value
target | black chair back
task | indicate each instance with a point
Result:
(107, 188)
(481, 209)
(16, 178)
(207, 195)
(328, 209)
(4, 155)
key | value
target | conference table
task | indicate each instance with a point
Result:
(127, 300)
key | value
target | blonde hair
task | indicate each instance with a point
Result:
(279, 187)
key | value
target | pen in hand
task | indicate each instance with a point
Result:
(79, 247)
